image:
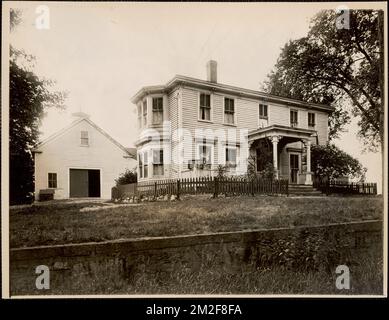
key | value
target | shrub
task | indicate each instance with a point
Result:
(268, 172)
(329, 162)
(261, 164)
(129, 176)
(221, 171)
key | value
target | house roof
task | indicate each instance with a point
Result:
(183, 80)
(129, 151)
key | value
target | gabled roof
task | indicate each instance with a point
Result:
(183, 80)
(94, 125)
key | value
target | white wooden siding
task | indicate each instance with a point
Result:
(173, 114)
(322, 127)
(65, 152)
(183, 112)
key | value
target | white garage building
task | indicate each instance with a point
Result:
(80, 161)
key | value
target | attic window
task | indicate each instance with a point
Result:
(84, 138)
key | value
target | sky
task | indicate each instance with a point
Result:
(103, 53)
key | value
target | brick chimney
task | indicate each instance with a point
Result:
(212, 71)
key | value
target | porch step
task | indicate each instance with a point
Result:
(312, 194)
(300, 186)
(303, 190)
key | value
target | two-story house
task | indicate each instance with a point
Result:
(188, 127)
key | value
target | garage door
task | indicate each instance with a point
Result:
(84, 183)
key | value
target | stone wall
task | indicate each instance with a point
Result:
(300, 248)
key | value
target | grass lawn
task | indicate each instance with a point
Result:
(366, 279)
(60, 223)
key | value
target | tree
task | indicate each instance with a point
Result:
(129, 176)
(29, 98)
(15, 16)
(340, 67)
(329, 162)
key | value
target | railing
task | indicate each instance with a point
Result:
(201, 185)
(339, 187)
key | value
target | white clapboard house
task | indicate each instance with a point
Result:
(289, 127)
(80, 161)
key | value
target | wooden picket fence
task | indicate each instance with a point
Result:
(202, 185)
(331, 187)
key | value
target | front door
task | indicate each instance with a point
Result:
(294, 167)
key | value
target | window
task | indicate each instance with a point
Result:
(157, 110)
(311, 119)
(140, 160)
(158, 162)
(144, 104)
(205, 106)
(229, 111)
(143, 165)
(231, 157)
(52, 180)
(262, 111)
(139, 115)
(293, 118)
(84, 138)
(205, 154)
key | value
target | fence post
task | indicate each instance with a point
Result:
(178, 189)
(216, 187)
(155, 189)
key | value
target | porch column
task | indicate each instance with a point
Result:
(308, 176)
(274, 140)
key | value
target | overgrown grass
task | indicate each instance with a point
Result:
(64, 223)
(365, 278)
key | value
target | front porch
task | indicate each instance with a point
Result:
(290, 150)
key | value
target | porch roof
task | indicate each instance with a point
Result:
(283, 131)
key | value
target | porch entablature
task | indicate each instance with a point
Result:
(281, 132)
